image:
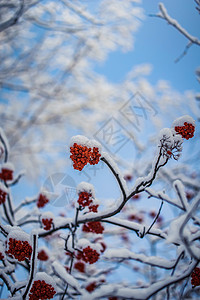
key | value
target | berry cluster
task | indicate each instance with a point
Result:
(195, 277)
(6, 174)
(88, 255)
(94, 156)
(42, 255)
(186, 131)
(19, 249)
(81, 155)
(94, 227)
(85, 199)
(1, 256)
(2, 196)
(80, 266)
(42, 201)
(47, 223)
(91, 287)
(41, 290)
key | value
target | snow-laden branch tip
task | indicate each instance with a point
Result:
(164, 15)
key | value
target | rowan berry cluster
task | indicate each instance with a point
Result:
(86, 199)
(195, 277)
(1, 256)
(41, 290)
(91, 287)
(42, 255)
(186, 131)
(6, 174)
(81, 155)
(47, 223)
(80, 266)
(19, 249)
(2, 196)
(94, 227)
(88, 255)
(42, 201)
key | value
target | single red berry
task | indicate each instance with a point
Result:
(1, 256)
(136, 197)
(128, 177)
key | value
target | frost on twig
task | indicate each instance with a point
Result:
(163, 14)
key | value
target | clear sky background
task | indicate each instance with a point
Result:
(160, 44)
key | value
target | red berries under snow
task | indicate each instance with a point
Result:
(6, 174)
(186, 131)
(88, 255)
(94, 227)
(47, 223)
(195, 277)
(41, 290)
(84, 151)
(42, 201)
(19, 249)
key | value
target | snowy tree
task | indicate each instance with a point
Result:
(79, 259)
(142, 240)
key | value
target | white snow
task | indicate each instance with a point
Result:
(47, 215)
(85, 187)
(123, 253)
(60, 270)
(44, 276)
(84, 141)
(180, 121)
(3, 188)
(18, 234)
(8, 166)
(83, 243)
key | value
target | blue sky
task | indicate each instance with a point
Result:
(160, 44)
